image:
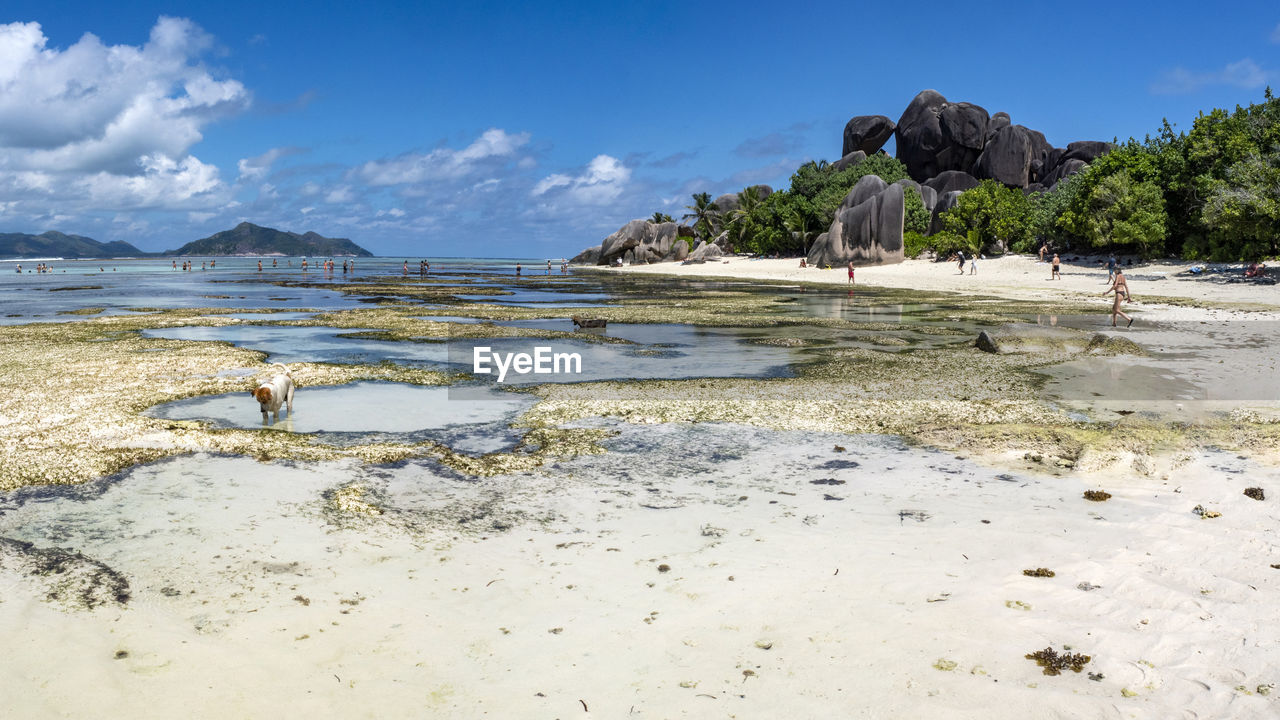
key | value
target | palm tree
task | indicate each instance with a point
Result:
(704, 214)
(660, 217)
(801, 226)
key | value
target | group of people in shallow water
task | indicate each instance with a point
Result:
(41, 268)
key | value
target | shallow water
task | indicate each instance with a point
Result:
(252, 595)
(360, 407)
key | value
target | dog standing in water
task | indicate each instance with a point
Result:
(276, 392)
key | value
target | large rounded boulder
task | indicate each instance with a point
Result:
(867, 133)
(919, 135)
(869, 233)
(950, 180)
(964, 134)
(1007, 158)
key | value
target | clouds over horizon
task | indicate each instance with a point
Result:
(101, 140)
(98, 127)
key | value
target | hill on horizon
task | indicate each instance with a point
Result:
(249, 239)
(55, 244)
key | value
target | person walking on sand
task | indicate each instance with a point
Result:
(960, 255)
(1053, 273)
(850, 271)
(1120, 287)
(1111, 268)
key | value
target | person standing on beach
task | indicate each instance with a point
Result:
(1120, 286)
(259, 266)
(1044, 247)
(973, 265)
(517, 268)
(960, 255)
(1054, 274)
(1111, 268)
(850, 272)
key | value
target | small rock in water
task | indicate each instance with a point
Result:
(987, 343)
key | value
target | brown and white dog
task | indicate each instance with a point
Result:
(278, 391)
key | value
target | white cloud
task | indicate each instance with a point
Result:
(1243, 74)
(94, 127)
(254, 168)
(494, 145)
(601, 181)
(340, 194)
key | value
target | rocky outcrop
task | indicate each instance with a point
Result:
(705, 251)
(729, 201)
(590, 256)
(639, 242)
(946, 201)
(867, 133)
(919, 135)
(866, 233)
(850, 160)
(952, 180)
(1007, 158)
(936, 137)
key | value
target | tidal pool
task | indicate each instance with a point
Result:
(360, 407)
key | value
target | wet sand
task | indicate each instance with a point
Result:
(685, 547)
(691, 571)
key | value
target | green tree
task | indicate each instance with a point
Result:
(704, 214)
(1244, 208)
(660, 217)
(990, 217)
(1119, 211)
(917, 215)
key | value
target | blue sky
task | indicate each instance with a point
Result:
(527, 129)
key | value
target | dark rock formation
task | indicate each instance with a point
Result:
(867, 133)
(850, 160)
(1067, 168)
(1087, 150)
(590, 256)
(952, 180)
(964, 134)
(729, 201)
(867, 233)
(946, 201)
(987, 343)
(1007, 158)
(919, 135)
(999, 120)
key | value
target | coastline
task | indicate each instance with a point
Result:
(1014, 277)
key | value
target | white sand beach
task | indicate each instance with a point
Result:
(1011, 276)
(747, 574)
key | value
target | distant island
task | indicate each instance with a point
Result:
(244, 239)
(55, 244)
(249, 239)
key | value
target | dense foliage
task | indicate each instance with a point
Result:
(991, 216)
(1211, 193)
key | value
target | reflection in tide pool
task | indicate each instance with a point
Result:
(361, 407)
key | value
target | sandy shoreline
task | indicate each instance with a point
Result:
(1019, 277)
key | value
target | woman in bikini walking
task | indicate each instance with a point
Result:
(1120, 286)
